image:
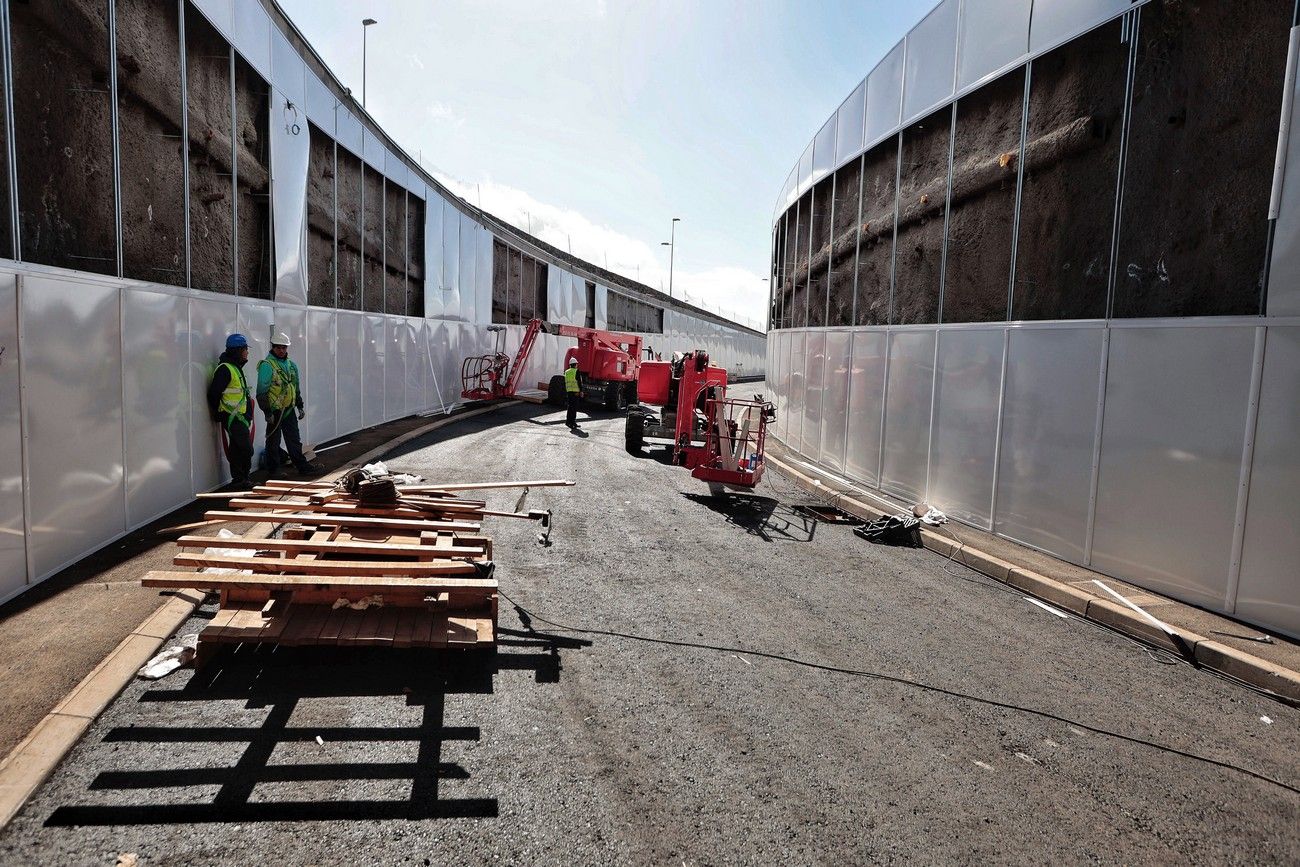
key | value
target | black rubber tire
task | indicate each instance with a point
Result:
(634, 432)
(555, 391)
(613, 396)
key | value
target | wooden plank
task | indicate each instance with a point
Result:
(339, 520)
(334, 620)
(438, 632)
(462, 630)
(208, 580)
(355, 509)
(270, 565)
(381, 630)
(486, 631)
(352, 621)
(297, 625)
(405, 626)
(215, 629)
(342, 547)
(489, 486)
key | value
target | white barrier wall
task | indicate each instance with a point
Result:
(1163, 452)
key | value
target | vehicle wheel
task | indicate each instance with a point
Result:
(613, 396)
(634, 432)
(555, 391)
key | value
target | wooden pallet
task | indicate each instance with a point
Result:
(413, 573)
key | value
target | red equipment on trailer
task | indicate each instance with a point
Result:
(719, 439)
(608, 364)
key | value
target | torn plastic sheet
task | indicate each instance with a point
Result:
(170, 659)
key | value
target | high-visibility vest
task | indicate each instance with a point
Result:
(234, 400)
(283, 391)
(571, 380)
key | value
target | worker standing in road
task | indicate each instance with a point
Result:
(571, 392)
(231, 407)
(279, 394)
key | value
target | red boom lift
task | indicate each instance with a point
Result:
(608, 364)
(719, 439)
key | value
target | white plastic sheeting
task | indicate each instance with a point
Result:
(320, 380)
(993, 34)
(931, 61)
(908, 401)
(13, 549)
(964, 436)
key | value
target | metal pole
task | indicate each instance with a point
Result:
(363, 65)
(672, 252)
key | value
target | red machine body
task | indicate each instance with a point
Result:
(719, 439)
(608, 365)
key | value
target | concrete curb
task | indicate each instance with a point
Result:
(31, 762)
(1211, 654)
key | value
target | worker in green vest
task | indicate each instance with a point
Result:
(572, 392)
(279, 394)
(231, 407)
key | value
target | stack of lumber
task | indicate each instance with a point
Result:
(369, 564)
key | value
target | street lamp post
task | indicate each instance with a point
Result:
(365, 24)
(671, 244)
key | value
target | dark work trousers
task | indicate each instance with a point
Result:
(572, 418)
(286, 426)
(237, 439)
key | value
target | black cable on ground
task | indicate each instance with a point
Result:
(526, 616)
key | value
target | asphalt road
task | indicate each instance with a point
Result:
(755, 689)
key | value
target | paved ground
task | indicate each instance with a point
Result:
(756, 689)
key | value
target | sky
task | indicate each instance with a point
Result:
(592, 123)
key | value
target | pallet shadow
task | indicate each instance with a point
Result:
(279, 680)
(763, 517)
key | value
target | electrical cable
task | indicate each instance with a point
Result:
(526, 617)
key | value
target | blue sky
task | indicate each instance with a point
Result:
(597, 121)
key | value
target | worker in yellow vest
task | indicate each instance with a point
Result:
(231, 407)
(572, 391)
(279, 394)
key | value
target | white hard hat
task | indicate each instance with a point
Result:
(280, 339)
(573, 362)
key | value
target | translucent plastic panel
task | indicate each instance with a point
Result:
(1267, 592)
(848, 124)
(842, 245)
(394, 368)
(13, 556)
(835, 397)
(1207, 95)
(931, 60)
(375, 354)
(797, 377)
(290, 152)
(149, 132)
(923, 189)
(209, 323)
(253, 36)
(60, 74)
(74, 419)
(993, 34)
(218, 12)
(966, 423)
(866, 397)
(468, 269)
(907, 413)
(288, 73)
(1055, 21)
(351, 371)
(1067, 207)
(157, 404)
(982, 210)
(885, 95)
(322, 377)
(1049, 422)
(321, 104)
(451, 256)
(875, 250)
(806, 167)
(824, 150)
(433, 294)
(1171, 445)
(484, 273)
(815, 381)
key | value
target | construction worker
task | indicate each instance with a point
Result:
(231, 406)
(571, 392)
(279, 394)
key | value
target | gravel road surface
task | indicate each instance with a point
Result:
(754, 688)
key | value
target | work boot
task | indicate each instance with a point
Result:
(309, 468)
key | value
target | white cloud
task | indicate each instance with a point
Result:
(735, 292)
(444, 113)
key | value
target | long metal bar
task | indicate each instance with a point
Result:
(11, 134)
(1247, 466)
(234, 180)
(185, 139)
(1020, 189)
(20, 281)
(116, 144)
(947, 213)
(334, 208)
(1131, 28)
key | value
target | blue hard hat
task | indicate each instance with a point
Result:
(236, 341)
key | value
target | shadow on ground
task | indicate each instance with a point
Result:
(764, 517)
(279, 679)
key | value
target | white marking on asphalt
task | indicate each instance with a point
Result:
(1050, 742)
(1048, 608)
(1028, 758)
(983, 765)
(1077, 731)
(742, 659)
(320, 740)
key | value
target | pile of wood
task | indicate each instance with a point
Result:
(363, 561)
